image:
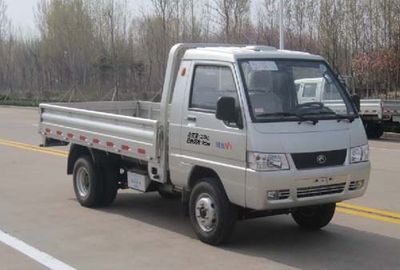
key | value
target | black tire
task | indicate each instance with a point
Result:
(85, 169)
(314, 217)
(223, 224)
(110, 185)
(374, 131)
(168, 195)
(379, 131)
(370, 131)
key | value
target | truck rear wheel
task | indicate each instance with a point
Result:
(212, 215)
(110, 185)
(87, 182)
(314, 217)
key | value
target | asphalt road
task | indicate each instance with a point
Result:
(143, 231)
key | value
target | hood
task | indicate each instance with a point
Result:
(292, 137)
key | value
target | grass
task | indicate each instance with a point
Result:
(18, 102)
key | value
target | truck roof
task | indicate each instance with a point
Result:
(233, 53)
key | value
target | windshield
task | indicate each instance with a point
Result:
(294, 89)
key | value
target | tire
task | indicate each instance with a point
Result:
(87, 182)
(219, 221)
(110, 185)
(374, 131)
(379, 131)
(314, 217)
(370, 131)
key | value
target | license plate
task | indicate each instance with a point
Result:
(317, 181)
(322, 181)
(396, 118)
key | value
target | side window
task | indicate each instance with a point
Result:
(310, 90)
(209, 84)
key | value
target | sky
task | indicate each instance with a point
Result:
(21, 13)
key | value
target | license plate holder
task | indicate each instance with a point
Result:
(138, 181)
(321, 181)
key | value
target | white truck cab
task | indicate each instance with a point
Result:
(235, 134)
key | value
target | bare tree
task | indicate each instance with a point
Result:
(98, 49)
(233, 16)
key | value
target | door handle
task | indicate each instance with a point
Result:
(191, 118)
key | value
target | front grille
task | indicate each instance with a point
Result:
(274, 195)
(283, 194)
(356, 185)
(306, 192)
(319, 159)
(353, 186)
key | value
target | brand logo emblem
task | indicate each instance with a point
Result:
(321, 159)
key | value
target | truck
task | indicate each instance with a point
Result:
(229, 138)
(377, 114)
(390, 113)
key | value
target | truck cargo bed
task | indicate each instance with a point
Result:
(128, 128)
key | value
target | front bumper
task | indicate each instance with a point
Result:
(296, 181)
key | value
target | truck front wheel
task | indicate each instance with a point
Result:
(314, 217)
(87, 182)
(212, 215)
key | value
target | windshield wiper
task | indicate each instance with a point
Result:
(276, 114)
(339, 116)
(283, 114)
(302, 116)
(344, 117)
(307, 119)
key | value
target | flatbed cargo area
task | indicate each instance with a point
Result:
(128, 128)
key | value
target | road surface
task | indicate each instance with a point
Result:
(42, 225)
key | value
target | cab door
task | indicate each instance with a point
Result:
(207, 141)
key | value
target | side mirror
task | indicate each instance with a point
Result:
(226, 110)
(357, 102)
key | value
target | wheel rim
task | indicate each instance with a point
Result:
(82, 182)
(206, 213)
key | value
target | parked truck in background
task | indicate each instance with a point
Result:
(377, 114)
(230, 136)
(391, 113)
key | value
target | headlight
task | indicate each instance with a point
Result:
(359, 154)
(267, 162)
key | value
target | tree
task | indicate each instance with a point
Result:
(96, 49)
(234, 17)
